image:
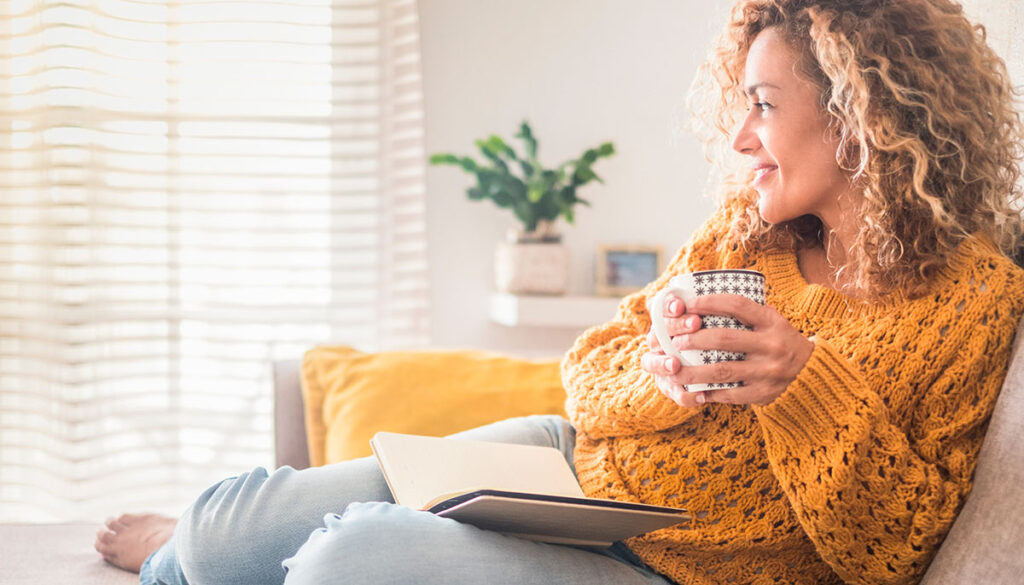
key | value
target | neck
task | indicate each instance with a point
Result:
(839, 231)
(835, 243)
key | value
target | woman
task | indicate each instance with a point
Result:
(882, 147)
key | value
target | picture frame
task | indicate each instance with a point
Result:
(622, 270)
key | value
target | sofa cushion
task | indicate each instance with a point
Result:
(984, 544)
(350, 395)
(31, 554)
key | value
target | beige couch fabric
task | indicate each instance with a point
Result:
(45, 554)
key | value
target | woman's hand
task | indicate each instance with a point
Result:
(664, 366)
(776, 352)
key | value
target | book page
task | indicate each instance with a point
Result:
(422, 469)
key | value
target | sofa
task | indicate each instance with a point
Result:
(983, 547)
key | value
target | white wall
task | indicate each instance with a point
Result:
(1003, 20)
(582, 72)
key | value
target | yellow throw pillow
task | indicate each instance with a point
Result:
(349, 395)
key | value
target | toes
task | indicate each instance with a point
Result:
(103, 544)
(115, 524)
(104, 539)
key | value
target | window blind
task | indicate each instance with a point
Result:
(191, 190)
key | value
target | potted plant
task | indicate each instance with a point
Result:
(533, 259)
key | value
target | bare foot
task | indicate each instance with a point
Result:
(126, 542)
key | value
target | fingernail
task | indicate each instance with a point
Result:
(700, 398)
(674, 306)
(669, 363)
(693, 322)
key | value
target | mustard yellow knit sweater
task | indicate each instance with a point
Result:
(853, 475)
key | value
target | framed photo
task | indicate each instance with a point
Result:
(622, 270)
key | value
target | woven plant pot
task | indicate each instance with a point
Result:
(533, 263)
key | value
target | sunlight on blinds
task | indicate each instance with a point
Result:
(191, 190)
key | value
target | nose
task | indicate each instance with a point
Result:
(746, 141)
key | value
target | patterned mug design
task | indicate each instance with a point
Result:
(747, 283)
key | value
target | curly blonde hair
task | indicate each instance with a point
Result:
(924, 112)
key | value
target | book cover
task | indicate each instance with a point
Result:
(521, 490)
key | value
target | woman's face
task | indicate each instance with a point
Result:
(785, 134)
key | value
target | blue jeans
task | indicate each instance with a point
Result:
(338, 524)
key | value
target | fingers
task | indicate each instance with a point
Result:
(676, 326)
(755, 372)
(681, 325)
(722, 338)
(717, 373)
(652, 341)
(754, 389)
(676, 376)
(674, 386)
(659, 364)
(742, 308)
(675, 315)
(676, 392)
(673, 306)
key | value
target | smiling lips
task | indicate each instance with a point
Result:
(761, 170)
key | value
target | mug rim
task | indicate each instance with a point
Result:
(721, 270)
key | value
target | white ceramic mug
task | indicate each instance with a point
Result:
(689, 286)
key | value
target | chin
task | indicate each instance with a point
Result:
(767, 212)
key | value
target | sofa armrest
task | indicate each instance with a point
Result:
(983, 545)
(290, 446)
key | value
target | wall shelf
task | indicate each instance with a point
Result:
(577, 312)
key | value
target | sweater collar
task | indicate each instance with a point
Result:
(787, 285)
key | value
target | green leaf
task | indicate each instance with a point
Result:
(526, 133)
(495, 187)
(548, 208)
(499, 165)
(444, 159)
(502, 199)
(583, 174)
(528, 168)
(487, 149)
(567, 196)
(560, 174)
(526, 215)
(498, 146)
(534, 193)
(514, 187)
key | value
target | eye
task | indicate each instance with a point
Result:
(764, 106)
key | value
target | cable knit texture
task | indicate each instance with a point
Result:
(853, 475)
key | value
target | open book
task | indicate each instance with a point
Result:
(521, 490)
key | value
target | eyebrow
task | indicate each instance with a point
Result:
(753, 88)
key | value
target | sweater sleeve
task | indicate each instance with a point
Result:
(608, 393)
(877, 500)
